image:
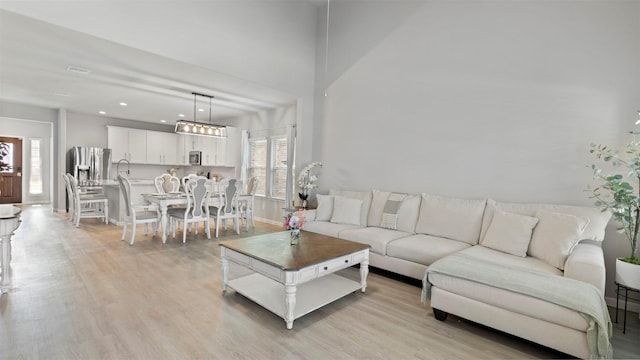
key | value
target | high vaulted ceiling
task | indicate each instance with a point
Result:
(44, 64)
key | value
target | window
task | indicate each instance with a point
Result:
(278, 167)
(35, 175)
(268, 162)
(258, 164)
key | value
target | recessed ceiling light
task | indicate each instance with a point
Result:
(102, 112)
(201, 110)
(181, 115)
(78, 70)
(163, 121)
(123, 104)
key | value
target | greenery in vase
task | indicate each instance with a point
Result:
(616, 192)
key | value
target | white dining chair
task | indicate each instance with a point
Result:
(167, 183)
(227, 205)
(71, 213)
(185, 179)
(247, 202)
(137, 213)
(196, 211)
(88, 205)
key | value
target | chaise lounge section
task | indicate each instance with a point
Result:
(410, 232)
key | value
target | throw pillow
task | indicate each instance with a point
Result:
(451, 218)
(510, 233)
(555, 236)
(390, 212)
(346, 210)
(325, 207)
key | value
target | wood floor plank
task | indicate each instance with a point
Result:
(82, 293)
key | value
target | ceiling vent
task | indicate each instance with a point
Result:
(78, 70)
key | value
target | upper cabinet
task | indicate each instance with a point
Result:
(215, 151)
(129, 144)
(162, 148)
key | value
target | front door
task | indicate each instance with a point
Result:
(10, 170)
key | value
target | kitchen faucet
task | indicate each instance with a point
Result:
(128, 166)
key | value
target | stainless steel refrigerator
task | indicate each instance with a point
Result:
(91, 165)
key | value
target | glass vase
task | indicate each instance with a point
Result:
(294, 236)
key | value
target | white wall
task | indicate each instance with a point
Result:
(27, 122)
(480, 99)
(477, 99)
(29, 130)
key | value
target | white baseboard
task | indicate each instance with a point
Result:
(268, 221)
(631, 306)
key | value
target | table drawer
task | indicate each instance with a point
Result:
(334, 265)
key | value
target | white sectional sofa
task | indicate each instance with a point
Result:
(409, 232)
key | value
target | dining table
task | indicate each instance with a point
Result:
(164, 200)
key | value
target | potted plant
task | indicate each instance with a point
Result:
(307, 182)
(617, 194)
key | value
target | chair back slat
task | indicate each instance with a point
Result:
(230, 196)
(197, 197)
(167, 183)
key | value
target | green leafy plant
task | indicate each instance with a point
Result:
(616, 192)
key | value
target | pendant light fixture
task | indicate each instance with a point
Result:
(201, 129)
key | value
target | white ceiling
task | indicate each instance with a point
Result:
(34, 57)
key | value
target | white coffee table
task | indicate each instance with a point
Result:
(293, 280)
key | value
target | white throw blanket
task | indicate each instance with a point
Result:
(572, 294)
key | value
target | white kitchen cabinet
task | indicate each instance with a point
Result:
(221, 151)
(182, 156)
(129, 144)
(162, 148)
(209, 148)
(231, 148)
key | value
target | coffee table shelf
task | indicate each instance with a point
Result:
(292, 281)
(310, 296)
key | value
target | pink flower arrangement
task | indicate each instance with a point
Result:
(295, 220)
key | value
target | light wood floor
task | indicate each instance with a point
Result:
(81, 293)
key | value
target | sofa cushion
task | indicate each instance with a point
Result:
(377, 238)
(594, 231)
(510, 233)
(407, 212)
(424, 249)
(365, 196)
(328, 228)
(325, 207)
(457, 219)
(346, 210)
(555, 236)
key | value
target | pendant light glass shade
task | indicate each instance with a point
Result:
(197, 128)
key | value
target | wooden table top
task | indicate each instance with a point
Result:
(275, 249)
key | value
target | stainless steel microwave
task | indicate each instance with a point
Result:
(195, 157)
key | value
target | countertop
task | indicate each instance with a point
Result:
(133, 182)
